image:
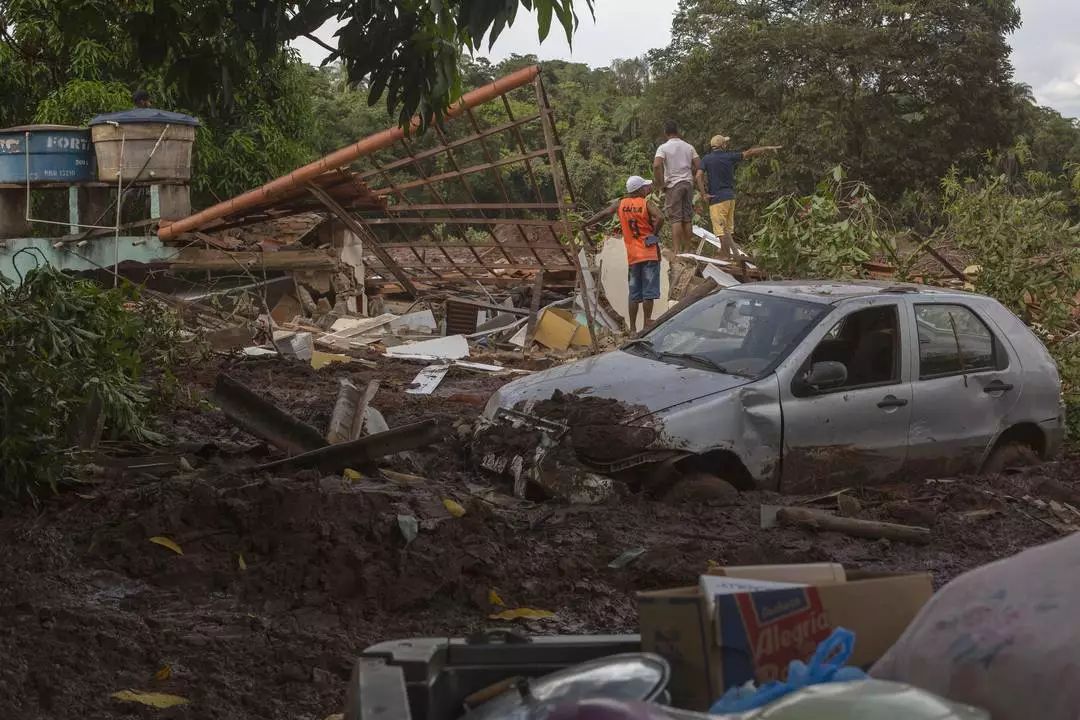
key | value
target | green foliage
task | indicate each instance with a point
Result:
(828, 234)
(896, 91)
(62, 343)
(1027, 249)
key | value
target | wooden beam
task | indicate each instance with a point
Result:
(192, 259)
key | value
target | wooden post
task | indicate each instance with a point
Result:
(534, 309)
(357, 229)
(561, 197)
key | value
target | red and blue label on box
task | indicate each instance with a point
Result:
(760, 633)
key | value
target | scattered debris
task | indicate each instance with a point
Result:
(454, 347)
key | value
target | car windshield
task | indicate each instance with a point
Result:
(734, 332)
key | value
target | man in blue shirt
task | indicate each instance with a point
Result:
(718, 174)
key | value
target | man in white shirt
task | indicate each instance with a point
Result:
(675, 167)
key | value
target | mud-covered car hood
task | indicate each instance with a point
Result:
(622, 376)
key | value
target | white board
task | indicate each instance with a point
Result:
(428, 379)
(613, 277)
(452, 347)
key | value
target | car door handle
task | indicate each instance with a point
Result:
(891, 401)
(997, 386)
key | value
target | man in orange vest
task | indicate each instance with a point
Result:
(641, 221)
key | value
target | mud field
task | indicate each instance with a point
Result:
(284, 579)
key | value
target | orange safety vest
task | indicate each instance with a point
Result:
(636, 226)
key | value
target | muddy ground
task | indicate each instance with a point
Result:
(284, 579)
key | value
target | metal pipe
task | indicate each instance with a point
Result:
(341, 158)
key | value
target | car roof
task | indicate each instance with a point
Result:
(830, 292)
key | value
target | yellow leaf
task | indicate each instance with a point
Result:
(166, 542)
(494, 599)
(523, 614)
(352, 475)
(453, 507)
(321, 359)
(240, 561)
(156, 700)
(164, 673)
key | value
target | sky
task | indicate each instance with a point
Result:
(1046, 50)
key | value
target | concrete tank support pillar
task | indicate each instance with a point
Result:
(170, 202)
(13, 213)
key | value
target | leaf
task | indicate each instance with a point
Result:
(352, 475)
(453, 507)
(626, 558)
(523, 614)
(409, 527)
(160, 701)
(164, 673)
(494, 599)
(240, 561)
(167, 543)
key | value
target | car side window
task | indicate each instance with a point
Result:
(953, 340)
(867, 343)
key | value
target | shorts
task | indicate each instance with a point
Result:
(645, 281)
(723, 217)
(679, 202)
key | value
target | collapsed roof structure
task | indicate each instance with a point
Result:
(439, 209)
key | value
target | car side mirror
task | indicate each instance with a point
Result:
(825, 375)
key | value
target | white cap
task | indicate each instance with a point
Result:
(635, 183)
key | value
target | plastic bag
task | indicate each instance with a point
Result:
(1004, 637)
(862, 700)
(827, 665)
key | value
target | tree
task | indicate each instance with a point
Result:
(895, 90)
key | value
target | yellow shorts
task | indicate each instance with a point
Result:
(723, 217)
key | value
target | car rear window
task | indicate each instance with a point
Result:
(952, 340)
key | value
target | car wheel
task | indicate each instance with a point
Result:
(703, 488)
(1008, 456)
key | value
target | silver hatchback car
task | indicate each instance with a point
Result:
(804, 385)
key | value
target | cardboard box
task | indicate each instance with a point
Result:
(558, 330)
(747, 633)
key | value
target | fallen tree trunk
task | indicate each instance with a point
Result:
(817, 520)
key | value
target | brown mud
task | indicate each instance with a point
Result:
(283, 580)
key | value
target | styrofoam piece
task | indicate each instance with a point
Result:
(452, 347)
(519, 337)
(719, 277)
(362, 325)
(424, 321)
(704, 259)
(259, 352)
(297, 345)
(428, 379)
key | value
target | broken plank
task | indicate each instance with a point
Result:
(344, 414)
(361, 409)
(263, 419)
(817, 520)
(534, 312)
(336, 458)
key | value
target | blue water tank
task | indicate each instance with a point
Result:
(52, 153)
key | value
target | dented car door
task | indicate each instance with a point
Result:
(854, 428)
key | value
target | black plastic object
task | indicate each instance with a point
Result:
(627, 677)
(145, 115)
(429, 678)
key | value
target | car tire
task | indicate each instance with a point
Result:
(1010, 455)
(705, 488)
